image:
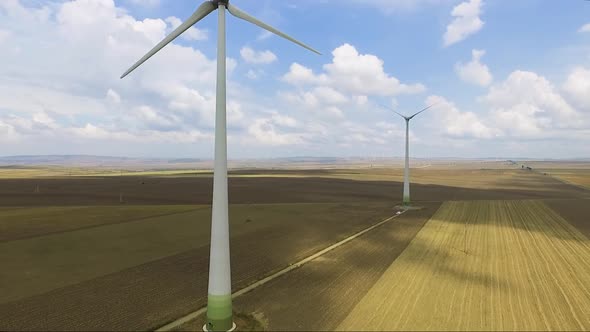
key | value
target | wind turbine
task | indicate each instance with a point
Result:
(219, 303)
(406, 197)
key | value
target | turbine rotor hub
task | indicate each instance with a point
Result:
(220, 2)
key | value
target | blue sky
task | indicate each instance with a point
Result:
(511, 78)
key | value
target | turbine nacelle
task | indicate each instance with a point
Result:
(220, 2)
(408, 118)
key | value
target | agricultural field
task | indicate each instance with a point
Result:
(154, 269)
(575, 173)
(580, 177)
(267, 186)
(502, 265)
(319, 295)
(129, 250)
(484, 176)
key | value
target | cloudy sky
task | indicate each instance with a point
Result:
(511, 78)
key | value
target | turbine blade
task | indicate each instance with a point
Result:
(204, 9)
(387, 108)
(409, 118)
(244, 16)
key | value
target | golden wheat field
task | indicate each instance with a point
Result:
(485, 265)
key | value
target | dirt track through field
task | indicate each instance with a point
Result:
(319, 295)
(503, 265)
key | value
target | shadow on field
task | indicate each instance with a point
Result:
(515, 214)
(575, 211)
(541, 186)
(447, 261)
(320, 294)
(197, 190)
(152, 294)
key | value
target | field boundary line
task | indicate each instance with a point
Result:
(580, 186)
(564, 181)
(102, 225)
(189, 317)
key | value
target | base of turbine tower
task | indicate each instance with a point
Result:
(233, 328)
(404, 207)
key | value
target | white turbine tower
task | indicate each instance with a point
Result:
(219, 304)
(406, 197)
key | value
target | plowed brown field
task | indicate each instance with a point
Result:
(504, 265)
(303, 187)
(575, 211)
(140, 275)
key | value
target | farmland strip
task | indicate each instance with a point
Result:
(525, 269)
(187, 318)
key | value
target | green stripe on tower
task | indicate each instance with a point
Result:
(219, 313)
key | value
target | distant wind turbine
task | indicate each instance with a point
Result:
(219, 303)
(406, 197)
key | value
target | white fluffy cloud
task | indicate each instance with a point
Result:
(254, 74)
(192, 33)
(584, 28)
(113, 96)
(320, 103)
(267, 131)
(156, 120)
(7, 132)
(300, 75)
(343, 88)
(380, 133)
(364, 74)
(4, 35)
(63, 86)
(466, 22)
(352, 73)
(93, 132)
(171, 97)
(455, 123)
(524, 106)
(257, 57)
(474, 72)
(53, 75)
(284, 120)
(528, 105)
(577, 87)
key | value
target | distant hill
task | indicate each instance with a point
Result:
(58, 159)
(87, 160)
(181, 163)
